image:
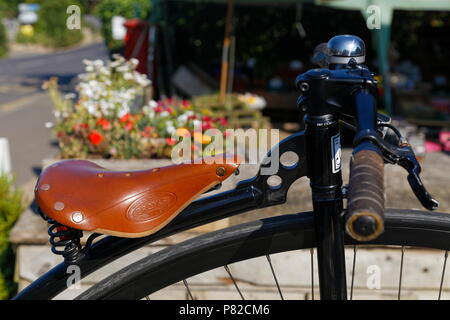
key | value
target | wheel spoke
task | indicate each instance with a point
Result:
(401, 274)
(147, 298)
(353, 272)
(234, 281)
(188, 290)
(274, 276)
(311, 251)
(443, 274)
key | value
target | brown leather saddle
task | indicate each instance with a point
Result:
(85, 196)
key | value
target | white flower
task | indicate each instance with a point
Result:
(105, 71)
(69, 96)
(49, 125)
(123, 111)
(183, 118)
(197, 123)
(87, 62)
(152, 104)
(253, 101)
(170, 128)
(123, 69)
(128, 76)
(141, 79)
(134, 61)
(98, 63)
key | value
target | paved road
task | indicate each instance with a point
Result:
(25, 108)
(22, 76)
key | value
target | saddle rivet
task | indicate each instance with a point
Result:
(155, 169)
(220, 171)
(77, 217)
(45, 187)
(100, 175)
(59, 206)
(128, 174)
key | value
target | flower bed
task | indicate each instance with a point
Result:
(107, 119)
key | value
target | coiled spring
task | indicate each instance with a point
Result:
(65, 241)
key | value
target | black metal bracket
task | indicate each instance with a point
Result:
(272, 195)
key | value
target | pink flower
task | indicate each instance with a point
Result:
(223, 121)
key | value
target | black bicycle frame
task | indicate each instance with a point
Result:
(318, 150)
(323, 150)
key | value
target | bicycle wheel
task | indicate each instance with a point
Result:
(255, 239)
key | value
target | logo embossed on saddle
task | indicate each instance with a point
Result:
(151, 206)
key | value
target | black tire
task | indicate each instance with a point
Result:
(254, 239)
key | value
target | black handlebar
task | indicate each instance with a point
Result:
(365, 208)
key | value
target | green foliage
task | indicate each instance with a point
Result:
(10, 209)
(128, 9)
(3, 39)
(51, 28)
(10, 8)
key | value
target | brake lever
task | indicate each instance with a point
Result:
(410, 163)
(404, 156)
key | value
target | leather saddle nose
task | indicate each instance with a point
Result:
(82, 195)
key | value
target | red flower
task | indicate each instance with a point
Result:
(169, 110)
(223, 121)
(159, 109)
(170, 141)
(206, 118)
(79, 126)
(147, 131)
(104, 123)
(129, 126)
(206, 126)
(95, 137)
(193, 117)
(125, 118)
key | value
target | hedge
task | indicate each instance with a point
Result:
(10, 209)
(128, 9)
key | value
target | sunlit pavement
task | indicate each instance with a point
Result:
(25, 108)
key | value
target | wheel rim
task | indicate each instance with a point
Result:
(265, 237)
